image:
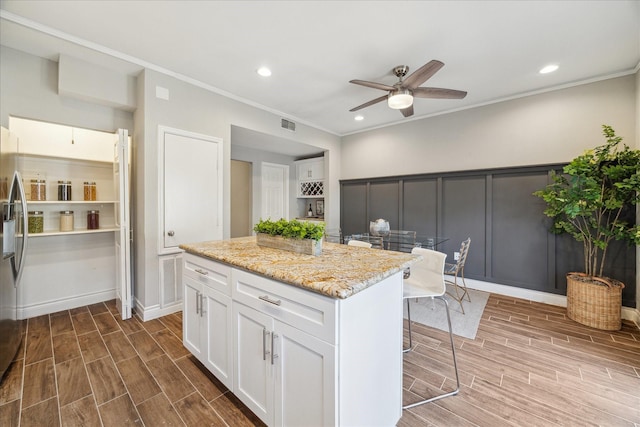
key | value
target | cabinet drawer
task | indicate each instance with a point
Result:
(210, 273)
(310, 312)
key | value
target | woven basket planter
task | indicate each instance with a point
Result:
(594, 301)
(301, 246)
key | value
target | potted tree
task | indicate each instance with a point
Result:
(588, 201)
(295, 236)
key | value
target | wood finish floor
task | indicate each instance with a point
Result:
(87, 367)
(528, 366)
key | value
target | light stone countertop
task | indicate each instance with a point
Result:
(340, 272)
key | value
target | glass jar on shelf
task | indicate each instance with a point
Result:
(38, 189)
(35, 222)
(66, 220)
(64, 190)
(89, 191)
(93, 220)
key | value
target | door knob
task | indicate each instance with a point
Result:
(170, 233)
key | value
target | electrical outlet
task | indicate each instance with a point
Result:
(456, 256)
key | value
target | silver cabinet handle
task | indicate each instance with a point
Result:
(269, 300)
(264, 344)
(171, 233)
(204, 273)
(274, 356)
(197, 302)
(201, 305)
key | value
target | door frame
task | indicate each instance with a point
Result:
(162, 131)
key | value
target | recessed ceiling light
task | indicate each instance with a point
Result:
(549, 69)
(358, 118)
(264, 71)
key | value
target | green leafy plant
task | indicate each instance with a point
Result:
(293, 229)
(589, 200)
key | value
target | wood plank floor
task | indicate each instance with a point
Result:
(528, 366)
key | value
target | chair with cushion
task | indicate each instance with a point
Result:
(426, 280)
(359, 243)
(456, 270)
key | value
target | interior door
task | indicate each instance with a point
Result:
(275, 191)
(123, 245)
(191, 193)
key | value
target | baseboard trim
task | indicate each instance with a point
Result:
(155, 311)
(34, 310)
(628, 313)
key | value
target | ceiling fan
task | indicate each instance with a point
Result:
(400, 95)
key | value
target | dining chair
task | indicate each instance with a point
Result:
(455, 270)
(401, 240)
(359, 243)
(333, 235)
(426, 280)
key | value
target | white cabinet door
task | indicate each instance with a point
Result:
(310, 170)
(216, 335)
(317, 170)
(253, 382)
(190, 188)
(191, 335)
(124, 296)
(305, 379)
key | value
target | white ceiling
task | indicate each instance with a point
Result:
(492, 49)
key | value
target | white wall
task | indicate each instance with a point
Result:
(198, 110)
(29, 89)
(552, 127)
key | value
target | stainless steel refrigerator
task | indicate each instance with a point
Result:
(13, 238)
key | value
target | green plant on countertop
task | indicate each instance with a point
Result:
(293, 229)
(588, 201)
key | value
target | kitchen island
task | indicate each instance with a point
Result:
(300, 339)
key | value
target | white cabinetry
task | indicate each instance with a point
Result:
(298, 357)
(310, 169)
(277, 344)
(207, 320)
(310, 178)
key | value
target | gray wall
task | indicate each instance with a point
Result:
(496, 208)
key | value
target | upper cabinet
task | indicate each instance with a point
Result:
(310, 174)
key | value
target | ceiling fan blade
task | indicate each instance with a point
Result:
(407, 111)
(438, 93)
(372, 84)
(367, 104)
(422, 74)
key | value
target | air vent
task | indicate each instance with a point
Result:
(286, 124)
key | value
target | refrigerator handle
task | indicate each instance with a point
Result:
(17, 180)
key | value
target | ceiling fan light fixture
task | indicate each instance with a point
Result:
(400, 99)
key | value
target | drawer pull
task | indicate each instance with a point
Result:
(204, 273)
(270, 301)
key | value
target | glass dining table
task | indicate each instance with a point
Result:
(399, 240)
